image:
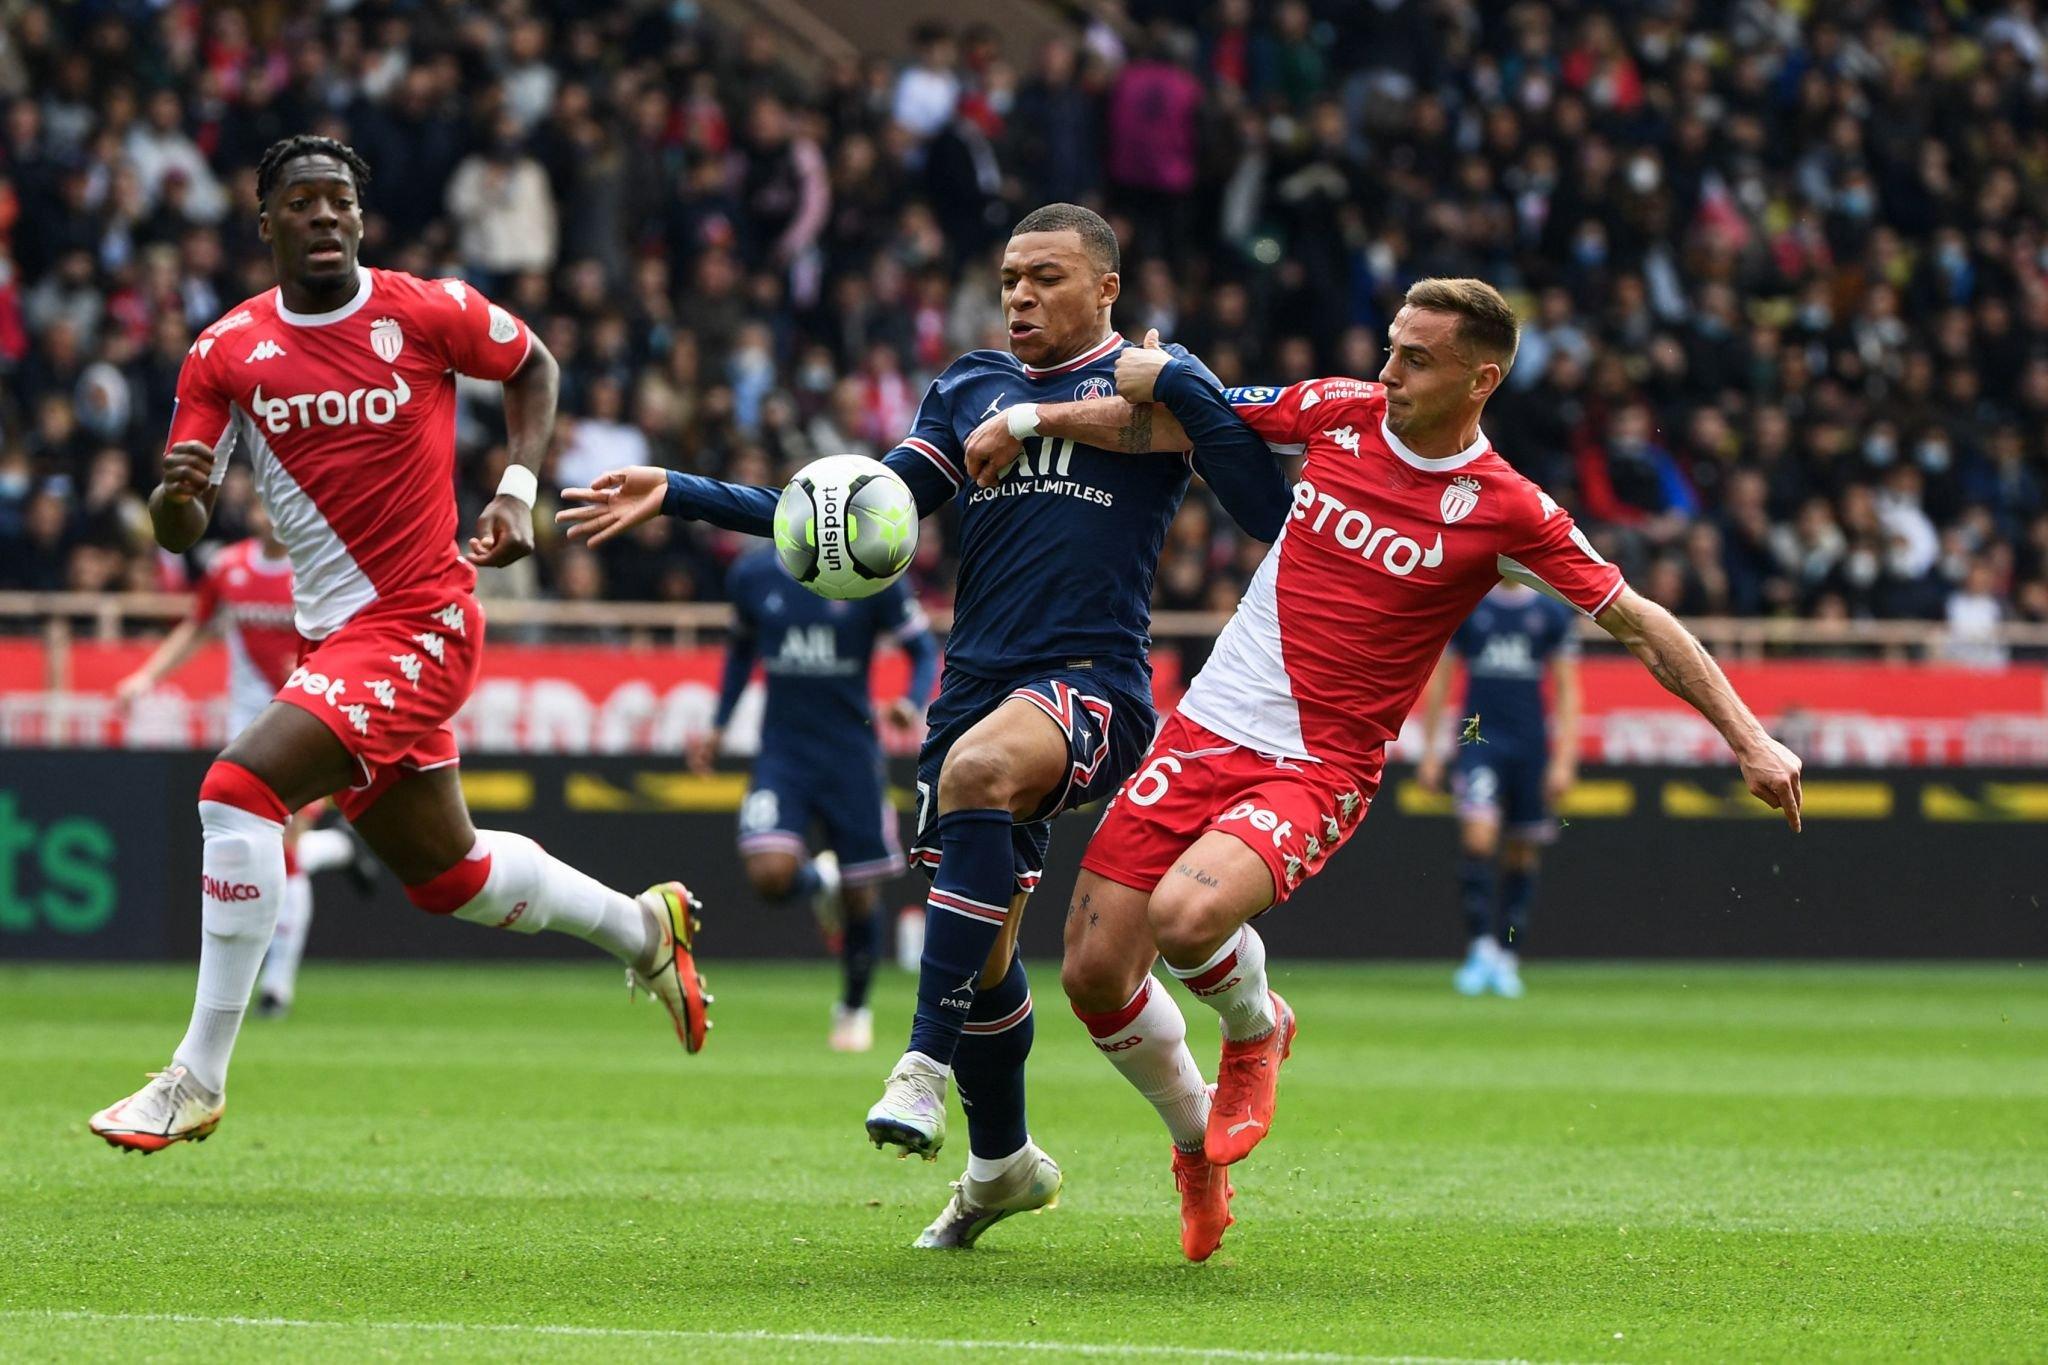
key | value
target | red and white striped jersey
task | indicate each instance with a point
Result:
(250, 594)
(1384, 554)
(349, 420)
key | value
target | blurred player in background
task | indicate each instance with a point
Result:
(245, 600)
(1046, 699)
(1404, 518)
(339, 384)
(1513, 767)
(820, 764)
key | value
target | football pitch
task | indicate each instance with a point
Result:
(459, 1162)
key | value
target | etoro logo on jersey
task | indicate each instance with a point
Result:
(1398, 554)
(331, 407)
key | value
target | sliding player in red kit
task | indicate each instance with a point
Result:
(339, 385)
(1404, 518)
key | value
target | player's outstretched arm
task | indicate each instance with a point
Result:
(504, 529)
(177, 648)
(1681, 663)
(1235, 460)
(621, 499)
(1105, 423)
(182, 504)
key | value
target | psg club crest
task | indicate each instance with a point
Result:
(1094, 386)
(1460, 498)
(386, 340)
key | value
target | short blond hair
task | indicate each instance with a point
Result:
(1486, 321)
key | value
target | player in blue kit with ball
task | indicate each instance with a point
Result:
(1046, 699)
(1510, 771)
(820, 765)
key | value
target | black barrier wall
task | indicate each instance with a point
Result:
(99, 858)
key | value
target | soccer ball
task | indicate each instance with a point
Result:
(846, 526)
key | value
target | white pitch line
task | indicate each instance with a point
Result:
(1067, 1348)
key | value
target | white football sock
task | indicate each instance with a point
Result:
(1150, 1049)
(322, 849)
(1233, 983)
(241, 890)
(989, 1168)
(528, 891)
(288, 940)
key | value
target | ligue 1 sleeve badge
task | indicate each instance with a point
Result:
(1095, 386)
(386, 340)
(1459, 499)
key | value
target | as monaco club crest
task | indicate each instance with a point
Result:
(1094, 386)
(1460, 498)
(386, 340)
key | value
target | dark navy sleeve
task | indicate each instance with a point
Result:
(930, 458)
(1234, 459)
(729, 506)
(739, 650)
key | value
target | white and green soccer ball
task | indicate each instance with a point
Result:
(846, 526)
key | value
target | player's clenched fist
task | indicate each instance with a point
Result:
(615, 501)
(1137, 369)
(188, 469)
(991, 449)
(504, 533)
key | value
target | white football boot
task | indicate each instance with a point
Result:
(1507, 975)
(1031, 1185)
(912, 1111)
(171, 1108)
(852, 1030)
(825, 904)
(674, 980)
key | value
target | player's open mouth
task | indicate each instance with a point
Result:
(326, 253)
(1018, 329)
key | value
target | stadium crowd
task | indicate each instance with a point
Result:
(1784, 266)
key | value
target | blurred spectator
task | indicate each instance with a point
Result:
(1782, 267)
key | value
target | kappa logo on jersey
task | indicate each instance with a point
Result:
(384, 692)
(358, 717)
(1459, 499)
(408, 666)
(229, 323)
(1345, 437)
(1094, 386)
(386, 339)
(451, 617)
(1398, 554)
(266, 349)
(457, 290)
(1256, 394)
(503, 329)
(331, 407)
(435, 646)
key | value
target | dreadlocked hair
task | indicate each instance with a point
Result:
(289, 149)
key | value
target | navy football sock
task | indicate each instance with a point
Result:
(1517, 895)
(964, 914)
(857, 957)
(1475, 895)
(989, 1067)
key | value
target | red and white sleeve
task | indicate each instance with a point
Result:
(474, 335)
(1558, 559)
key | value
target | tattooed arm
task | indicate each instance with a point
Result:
(1682, 665)
(1105, 423)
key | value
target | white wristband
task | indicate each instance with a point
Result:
(1023, 419)
(519, 483)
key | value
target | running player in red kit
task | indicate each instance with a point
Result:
(1404, 517)
(339, 385)
(245, 600)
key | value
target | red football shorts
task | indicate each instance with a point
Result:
(389, 682)
(1293, 814)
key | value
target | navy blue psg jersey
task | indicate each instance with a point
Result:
(815, 652)
(1507, 644)
(1056, 560)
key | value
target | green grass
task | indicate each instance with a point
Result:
(1634, 1163)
